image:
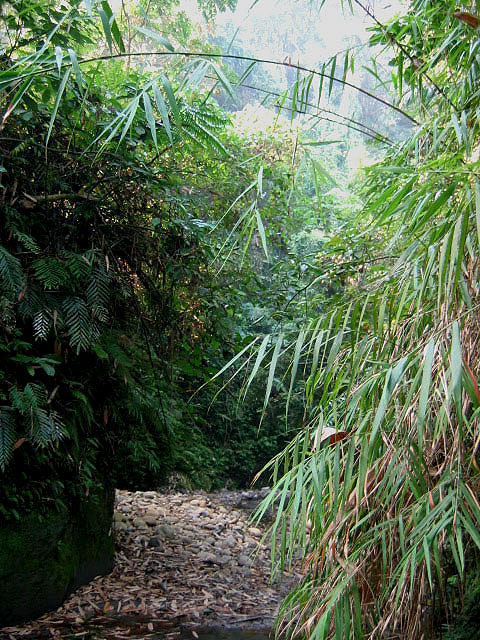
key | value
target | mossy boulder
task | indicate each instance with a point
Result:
(45, 556)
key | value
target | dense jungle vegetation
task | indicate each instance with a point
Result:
(194, 289)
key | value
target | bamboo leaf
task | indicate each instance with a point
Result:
(172, 100)
(296, 359)
(76, 68)
(234, 359)
(162, 109)
(223, 80)
(260, 356)
(112, 26)
(106, 29)
(131, 111)
(59, 58)
(456, 369)
(150, 118)
(157, 37)
(271, 372)
(424, 390)
(261, 231)
(58, 100)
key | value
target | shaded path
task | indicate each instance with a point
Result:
(183, 562)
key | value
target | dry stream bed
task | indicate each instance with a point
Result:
(186, 565)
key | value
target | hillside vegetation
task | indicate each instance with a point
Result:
(196, 287)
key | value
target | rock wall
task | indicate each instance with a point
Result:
(44, 557)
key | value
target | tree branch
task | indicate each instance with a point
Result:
(405, 51)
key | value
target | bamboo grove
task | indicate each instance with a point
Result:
(381, 487)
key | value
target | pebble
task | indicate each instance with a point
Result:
(155, 541)
(150, 495)
(142, 541)
(138, 523)
(198, 502)
(166, 530)
(230, 541)
(119, 517)
(243, 561)
(205, 556)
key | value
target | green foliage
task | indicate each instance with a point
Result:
(127, 274)
(464, 623)
(380, 488)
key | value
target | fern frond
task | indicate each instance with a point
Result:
(7, 314)
(198, 123)
(50, 272)
(46, 427)
(99, 313)
(26, 241)
(7, 436)
(97, 290)
(32, 302)
(11, 274)
(77, 322)
(95, 331)
(209, 116)
(86, 410)
(78, 265)
(34, 395)
(42, 322)
(43, 426)
(111, 347)
(18, 400)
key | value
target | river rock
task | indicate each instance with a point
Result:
(230, 541)
(166, 531)
(138, 523)
(119, 517)
(205, 556)
(150, 495)
(243, 561)
(155, 541)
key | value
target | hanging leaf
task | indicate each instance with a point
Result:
(150, 118)
(162, 108)
(113, 29)
(155, 36)
(58, 100)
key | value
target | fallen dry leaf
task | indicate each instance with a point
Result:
(191, 568)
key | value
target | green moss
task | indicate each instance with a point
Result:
(45, 557)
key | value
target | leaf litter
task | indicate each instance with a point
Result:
(184, 563)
